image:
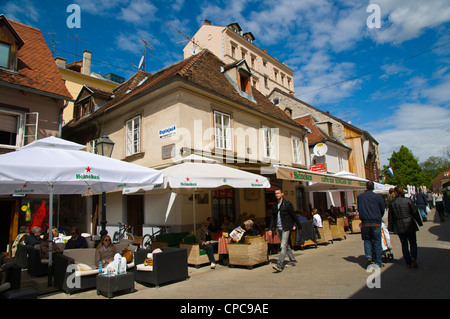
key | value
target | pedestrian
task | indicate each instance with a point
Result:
(283, 220)
(422, 202)
(440, 207)
(371, 210)
(446, 197)
(403, 218)
(430, 199)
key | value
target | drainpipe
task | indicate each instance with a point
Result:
(61, 117)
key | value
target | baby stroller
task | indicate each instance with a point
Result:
(386, 247)
(386, 254)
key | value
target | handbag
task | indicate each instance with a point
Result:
(128, 255)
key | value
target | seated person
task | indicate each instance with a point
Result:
(20, 239)
(56, 236)
(249, 230)
(34, 238)
(77, 241)
(105, 251)
(226, 226)
(300, 217)
(45, 247)
(317, 220)
(203, 237)
(211, 227)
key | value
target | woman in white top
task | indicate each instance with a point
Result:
(317, 220)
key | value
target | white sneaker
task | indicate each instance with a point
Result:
(213, 265)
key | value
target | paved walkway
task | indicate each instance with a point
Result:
(335, 271)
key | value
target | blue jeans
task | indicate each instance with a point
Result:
(210, 252)
(411, 251)
(369, 235)
(423, 211)
(285, 247)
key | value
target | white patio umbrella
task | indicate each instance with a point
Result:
(55, 166)
(195, 175)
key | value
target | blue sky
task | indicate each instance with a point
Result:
(380, 79)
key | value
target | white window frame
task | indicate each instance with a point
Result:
(222, 132)
(133, 136)
(23, 124)
(297, 150)
(269, 139)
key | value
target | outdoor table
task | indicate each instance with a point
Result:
(271, 237)
(223, 245)
(107, 285)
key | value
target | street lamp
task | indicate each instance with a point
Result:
(104, 147)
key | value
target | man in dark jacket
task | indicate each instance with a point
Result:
(402, 219)
(371, 210)
(283, 220)
(422, 202)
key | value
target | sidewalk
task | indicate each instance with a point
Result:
(335, 271)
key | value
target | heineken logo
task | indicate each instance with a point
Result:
(257, 184)
(87, 175)
(188, 183)
(24, 190)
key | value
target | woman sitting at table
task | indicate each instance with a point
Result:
(105, 251)
(248, 231)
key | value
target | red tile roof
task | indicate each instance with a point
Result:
(202, 70)
(36, 68)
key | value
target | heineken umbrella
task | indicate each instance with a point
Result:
(196, 174)
(55, 166)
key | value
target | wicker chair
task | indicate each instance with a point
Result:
(325, 233)
(252, 252)
(355, 226)
(196, 256)
(338, 231)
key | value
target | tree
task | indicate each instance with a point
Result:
(435, 165)
(407, 170)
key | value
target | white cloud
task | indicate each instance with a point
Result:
(420, 127)
(23, 12)
(405, 20)
(99, 7)
(138, 12)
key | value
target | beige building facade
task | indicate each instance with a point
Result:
(231, 44)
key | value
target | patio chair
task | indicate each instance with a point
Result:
(196, 256)
(338, 231)
(325, 233)
(168, 266)
(252, 252)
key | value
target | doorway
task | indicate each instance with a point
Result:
(6, 212)
(135, 213)
(223, 205)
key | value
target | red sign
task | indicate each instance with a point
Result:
(321, 168)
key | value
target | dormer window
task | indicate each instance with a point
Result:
(10, 43)
(244, 82)
(4, 55)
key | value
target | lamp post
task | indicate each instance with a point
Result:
(104, 147)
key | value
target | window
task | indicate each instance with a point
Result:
(222, 129)
(297, 150)
(4, 55)
(269, 142)
(233, 51)
(266, 81)
(244, 83)
(9, 129)
(133, 142)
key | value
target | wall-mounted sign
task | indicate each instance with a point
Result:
(320, 149)
(168, 151)
(321, 168)
(168, 131)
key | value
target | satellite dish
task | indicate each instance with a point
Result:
(141, 63)
(320, 149)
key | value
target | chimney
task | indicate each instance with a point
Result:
(60, 62)
(86, 68)
(207, 22)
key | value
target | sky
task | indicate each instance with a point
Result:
(382, 65)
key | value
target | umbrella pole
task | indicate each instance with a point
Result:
(193, 207)
(50, 236)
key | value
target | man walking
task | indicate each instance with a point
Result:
(422, 202)
(283, 220)
(371, 210)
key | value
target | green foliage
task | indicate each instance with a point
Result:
(407, 170)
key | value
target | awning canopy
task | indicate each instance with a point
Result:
(320, 181)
